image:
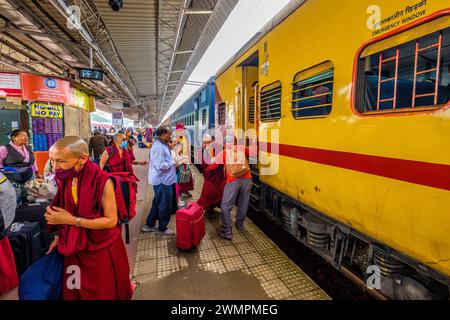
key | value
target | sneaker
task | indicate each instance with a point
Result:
(149, 229)
(168, 232)
(239, 227)
(226, 236)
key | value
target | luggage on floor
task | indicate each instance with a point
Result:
(26, 243)
(190, 226)
(32, 212)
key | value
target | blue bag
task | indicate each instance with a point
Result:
(43, 280)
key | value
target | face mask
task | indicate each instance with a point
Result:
(124, 144)
(65, 174)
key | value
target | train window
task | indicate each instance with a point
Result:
(251, 109)
(270, 97)
(401, 76)
(312, 92)
(204, 120)
(221, 112)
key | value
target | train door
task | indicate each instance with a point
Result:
(256, 109)
(250, 100)
(196, 133)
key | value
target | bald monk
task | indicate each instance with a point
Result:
(118, 157)
(85, 212)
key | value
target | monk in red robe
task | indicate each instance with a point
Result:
(85, 212)
(214, 177)
(117, 156)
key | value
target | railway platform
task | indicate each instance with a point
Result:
(251, 267)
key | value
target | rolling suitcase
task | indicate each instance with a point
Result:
(190, 226)
(26, 243)
(34, 212)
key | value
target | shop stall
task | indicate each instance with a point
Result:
(77, 113)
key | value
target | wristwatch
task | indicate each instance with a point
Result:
(77, 223)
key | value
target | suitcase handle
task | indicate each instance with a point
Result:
(201, 217)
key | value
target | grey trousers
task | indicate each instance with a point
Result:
(237, 190)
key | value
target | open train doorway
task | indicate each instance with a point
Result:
(249, 97)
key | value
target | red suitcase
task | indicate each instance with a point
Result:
(190, 226)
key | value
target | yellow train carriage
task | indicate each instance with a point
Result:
(359, 94)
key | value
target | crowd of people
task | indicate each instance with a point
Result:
(227, 180)
(84, 213)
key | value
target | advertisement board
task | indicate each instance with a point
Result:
(48, 89)
(10, 85)
(117, 119)
(79, 99)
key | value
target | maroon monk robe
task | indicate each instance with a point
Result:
(8, 273)
(213, 185)
(119, 163)
(132, 156)
(100, 254)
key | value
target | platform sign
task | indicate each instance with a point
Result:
(10, 85)
(43, 110)
(117, 119)
(90, 74)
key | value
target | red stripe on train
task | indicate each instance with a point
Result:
(423, 173)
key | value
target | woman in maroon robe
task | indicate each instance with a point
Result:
(85, 211)
(213, 177)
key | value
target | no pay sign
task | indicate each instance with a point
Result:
(46, 110)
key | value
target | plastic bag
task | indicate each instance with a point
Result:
(44, 279)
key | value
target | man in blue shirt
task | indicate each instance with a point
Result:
(162, 175)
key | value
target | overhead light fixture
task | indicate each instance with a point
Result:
(116, 5)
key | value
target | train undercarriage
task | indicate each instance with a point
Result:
(380, 269)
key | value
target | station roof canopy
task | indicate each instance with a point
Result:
(148, 49)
